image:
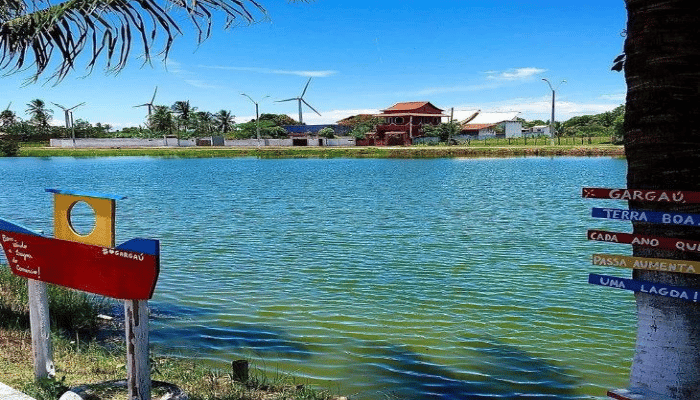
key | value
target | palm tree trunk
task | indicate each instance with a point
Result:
(662, 143)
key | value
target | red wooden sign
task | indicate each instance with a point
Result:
(128, 271)
(654, 196)
(643, 240)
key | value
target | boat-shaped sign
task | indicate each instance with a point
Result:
(654, 196)
(656, 217)
(657, 242)
(128, 271)
(658, 289)
(651, 264)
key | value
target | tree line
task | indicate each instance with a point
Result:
(181, 119)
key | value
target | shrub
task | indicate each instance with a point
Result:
(327, 132)
(8, 148)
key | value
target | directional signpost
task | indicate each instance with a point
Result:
(90, 263)
(656, 264)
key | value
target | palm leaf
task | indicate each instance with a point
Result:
(57, 35)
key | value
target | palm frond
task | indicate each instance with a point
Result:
(105, 29)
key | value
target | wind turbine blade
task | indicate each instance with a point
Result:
(305, 87)
(59, 106)
(293, 98)
(142, 105)
(309, 105)
(8, 106)
(76, 106)
(154, 95)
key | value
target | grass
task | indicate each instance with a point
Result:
(481, 148)
(82, 357)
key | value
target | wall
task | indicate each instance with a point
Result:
(514, 129)
(120, 142)
(173, 142)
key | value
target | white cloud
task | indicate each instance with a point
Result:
(516, 74)
(538, 108)
(617, 97)
(201, 84)
(310, 73)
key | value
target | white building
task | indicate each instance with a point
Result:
(493, 124)
(538, 130)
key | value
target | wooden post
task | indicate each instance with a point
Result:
(138, 372)
(40, 329)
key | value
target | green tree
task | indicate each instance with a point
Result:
(185, 114)
(444, 131)
(37, 34)
(40, 116)
(662, 147)
(7, 118)
(161, 120)
(224, 121)
(364, 126)
(204, 123)
(327, 132)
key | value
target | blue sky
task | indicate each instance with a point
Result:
(364, 56)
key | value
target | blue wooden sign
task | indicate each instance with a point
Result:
(658, 289)
(656, 217)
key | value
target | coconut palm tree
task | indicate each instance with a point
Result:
(185, 113)
(662, 144)
(7, 118)
(224, 121)
(37, 33)
(204, 121)
(40, 116)
(161, 120)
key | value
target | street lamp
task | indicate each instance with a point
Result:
(551, 121)
(257, 116)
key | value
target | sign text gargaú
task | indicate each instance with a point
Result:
(656, 217)
(643, 240)
(128, 271)
(652, 264)
(657, 196)
(645, 287)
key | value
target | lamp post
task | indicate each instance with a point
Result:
(257, 116)
(551, 121)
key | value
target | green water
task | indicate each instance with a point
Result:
(378, 279)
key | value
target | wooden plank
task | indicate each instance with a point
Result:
(655, 217)
(658, 289)
(645, 195)
(658, 242)
(129, 271)
(650, 264)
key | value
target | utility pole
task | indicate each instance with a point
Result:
(551, 121)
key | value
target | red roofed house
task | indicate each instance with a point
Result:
(402, 123)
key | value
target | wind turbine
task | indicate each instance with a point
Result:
(68, 113)
(150, 104)
(300, 99)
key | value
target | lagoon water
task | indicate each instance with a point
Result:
(377, 279)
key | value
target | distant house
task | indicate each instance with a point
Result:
(493, 124)
(402, 123)
(538, 130)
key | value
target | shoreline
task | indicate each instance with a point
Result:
(335, 152)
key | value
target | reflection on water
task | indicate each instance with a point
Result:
(382, 279)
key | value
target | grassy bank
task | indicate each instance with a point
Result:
(481, 150)
(88, 350)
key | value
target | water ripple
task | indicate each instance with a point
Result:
(410, 279)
